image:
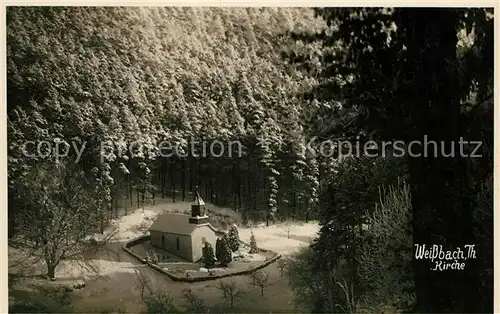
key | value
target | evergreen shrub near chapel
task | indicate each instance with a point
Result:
(253, 244)
(223, 251)
(234, 238)
(208, 256)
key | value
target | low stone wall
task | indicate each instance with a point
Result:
(133, 242)
(215, 277)
(195, 279)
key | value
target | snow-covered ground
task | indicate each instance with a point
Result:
(133, 225)
(71, 269)
(20, 263)
(243, 255)
(274, 238)
(125, 228)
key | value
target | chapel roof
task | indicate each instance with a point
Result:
(173, 223)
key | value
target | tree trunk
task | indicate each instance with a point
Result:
(249, 185)
(238, 184)
(207, 192)
(191, 170)
(130, 188)
(173, 192)
(440, 192)
(307, 211)
(172, 181)
(211, 188)
(256, 190)
(101, 222)
(137, 195)
(233, 186)
(116, 203)
(198, 172)
(163, 170)
(51, 270)
(143, 195)
(183, 178)
(114, 199)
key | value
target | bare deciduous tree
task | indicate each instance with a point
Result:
(160, 302)
(230, 292)
(281, 263)
(59, 213)
(260, 279)
(143, 284)
(156, 299)
(193, 303)
(348, 291)
(289, 226)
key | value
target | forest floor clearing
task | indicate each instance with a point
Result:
(282, 238)
(111, 280)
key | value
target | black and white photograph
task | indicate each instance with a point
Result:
(251, 159)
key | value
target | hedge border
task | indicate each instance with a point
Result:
(143, 238)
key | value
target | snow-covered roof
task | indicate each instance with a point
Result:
(173, 223)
